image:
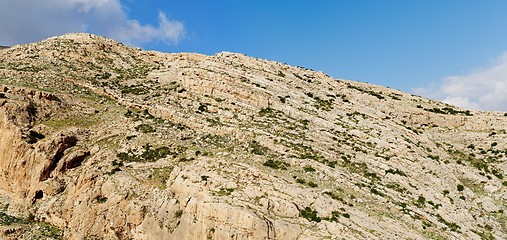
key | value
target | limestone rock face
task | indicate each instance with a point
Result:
(102, 141)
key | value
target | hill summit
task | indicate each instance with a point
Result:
(103, 141)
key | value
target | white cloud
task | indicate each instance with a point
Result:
(23, 21)
(482, 89)
(461, 102)
(135, 33)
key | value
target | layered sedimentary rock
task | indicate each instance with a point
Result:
(103, 141)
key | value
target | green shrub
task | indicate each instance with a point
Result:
(497, 173)
(371, 92)
(257, 148)
(145, 128)
(313, 155)
(309, 214)
(460, 187)
(396, 187)
(135, 89)
(33, 137)
(300, 181)
(203, 107)
(396, 171)
(453, 226)
(312, 184)
(309, 169)
(101, 199)
(377, 192)
(105, 75)
(420, 201)
(225, 191)
(178, 213)
(269, 112)
(275, 164)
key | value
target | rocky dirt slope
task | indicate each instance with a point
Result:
(102, 141)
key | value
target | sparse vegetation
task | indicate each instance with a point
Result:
(324, 104)
(275, 164)
(101, 199)
(6, 220)
(145, 128)
(41, 230)
(33, 137)
(396, 187)
(309, 214)
(219, 141)
(241, 131)
(450, 111)
(269, 112)
(160, 176)
(370, 92)
(283, 99)
(309, 169)
(396, 171)
(312, 184)
(300, 181)
(135, 90)
(203, 108)
(375, 191)
(453, 226)
(420, 202)
(225, 191)
(178, 213)
(148, 154)
(257, 148)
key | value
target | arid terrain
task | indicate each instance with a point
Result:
(102, 141)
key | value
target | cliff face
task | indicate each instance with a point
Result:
(103, 141)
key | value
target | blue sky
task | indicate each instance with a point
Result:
(451, 50)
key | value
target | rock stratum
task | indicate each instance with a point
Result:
(102, 141)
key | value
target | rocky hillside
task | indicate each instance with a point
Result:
(103, 141)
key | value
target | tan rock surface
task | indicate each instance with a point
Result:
(104, 141)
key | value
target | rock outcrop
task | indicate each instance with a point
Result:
(102, 141)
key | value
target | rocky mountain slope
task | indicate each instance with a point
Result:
(103, 141)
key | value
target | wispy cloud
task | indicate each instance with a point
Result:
(24, 21)
(482, 89)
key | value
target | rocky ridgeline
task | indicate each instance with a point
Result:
(102, 141)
